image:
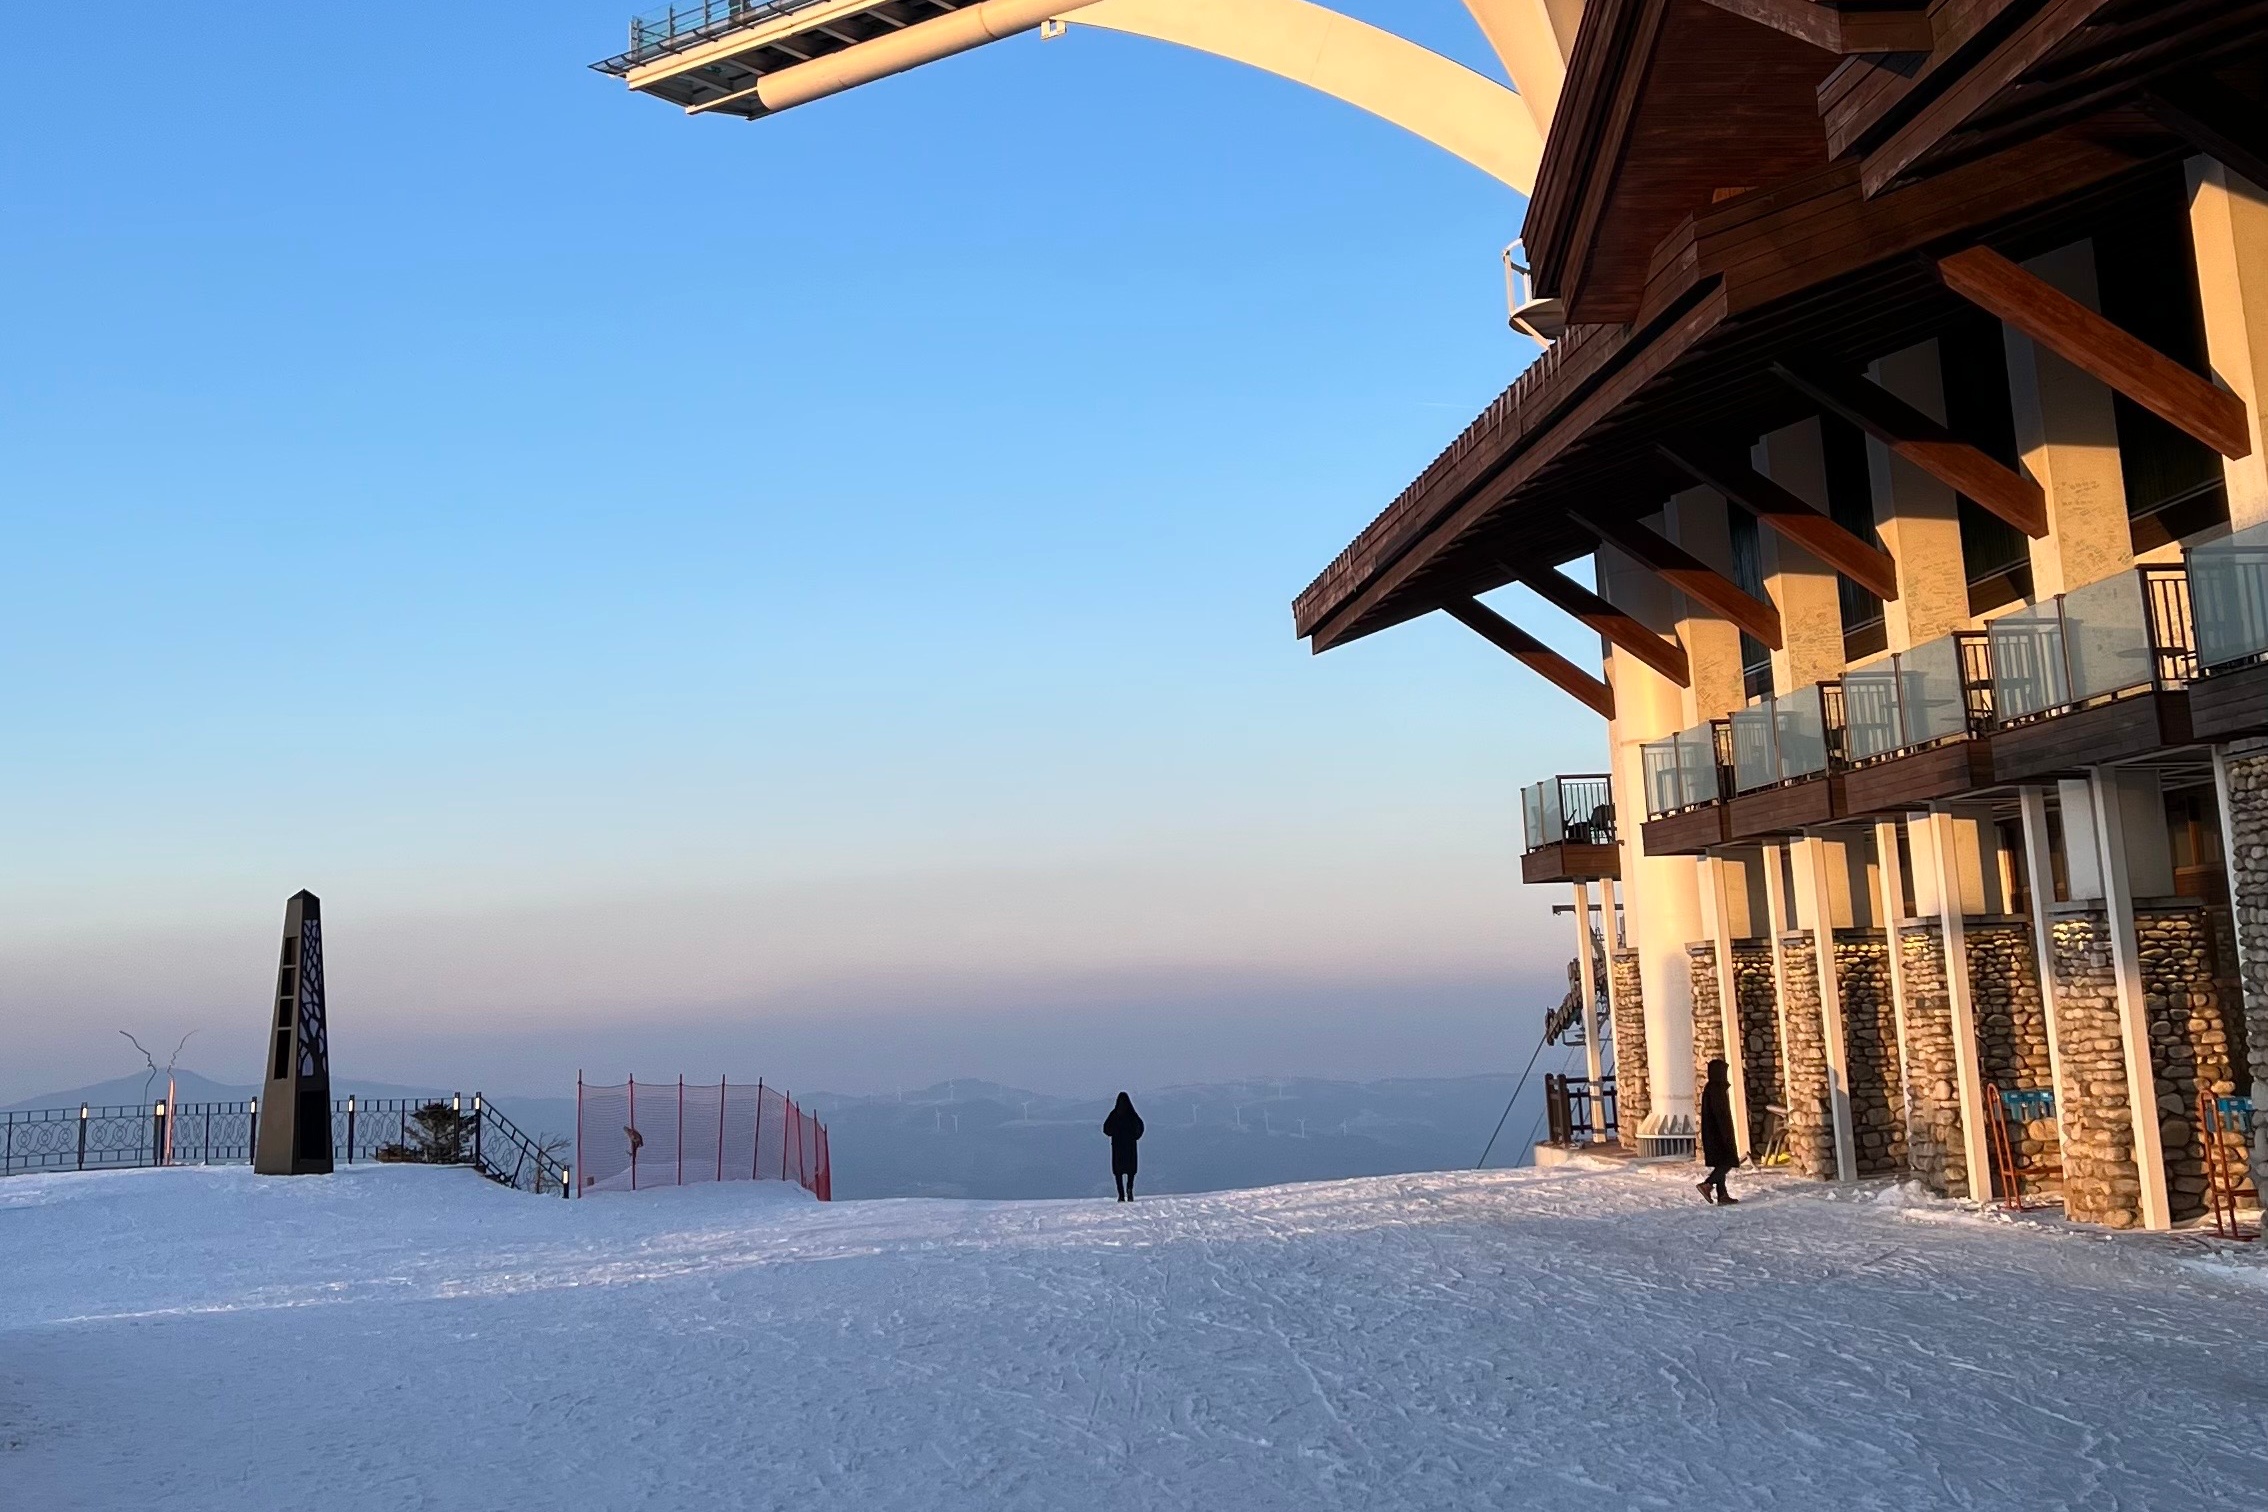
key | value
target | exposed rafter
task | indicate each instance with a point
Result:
(1618, 626)
(1918, 439)
(1516, 642)
(2094, 345)
(1691, 576)
(1863, 562)
(1844, 27)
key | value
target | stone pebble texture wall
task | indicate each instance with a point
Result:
(1870, 1050)
(1811, 1124)
(2012, 1035)
(1708, 1015)
(1633, 1093)
(2101, 1183)
(2248, 885)
(1936, 1155)
(1757, 993)
(2192, 1048)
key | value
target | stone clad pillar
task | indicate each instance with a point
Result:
(2228, 221)
(2067, 435)
(1956, 855)
(2243, 772)
(1724, 914)
(2130, 828)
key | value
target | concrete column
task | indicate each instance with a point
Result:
(2228, 226)
(1919, 518)
(1814, 900)
(1890, 909)
(1804, 588)
(1588, 983)
(2067, 433)
(1696, 520)
(1946, 849)
(2123, 801)
(2082, 851)
(1716, 918)
(2040, 877)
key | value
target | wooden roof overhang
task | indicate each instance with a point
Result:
(1813, 272)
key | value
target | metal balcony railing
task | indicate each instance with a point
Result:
(2128, 634)
(2228, 594)
(1568, 811)
(1688, 770)
(679, 28)
(1909, 701)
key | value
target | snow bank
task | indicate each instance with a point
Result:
(394, 1337)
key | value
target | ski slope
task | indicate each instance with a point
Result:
(400, 1338)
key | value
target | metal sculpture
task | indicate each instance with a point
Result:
(295, 1103)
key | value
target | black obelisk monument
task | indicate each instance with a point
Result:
(295, 1105)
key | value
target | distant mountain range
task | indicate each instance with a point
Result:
(980, 1139)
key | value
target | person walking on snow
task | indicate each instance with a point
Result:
(1124, 1128)
(1719, 1151)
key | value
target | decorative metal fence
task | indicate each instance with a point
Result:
(650, 1134)
(90, 1138)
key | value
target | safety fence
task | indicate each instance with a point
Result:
(430, 1131)
(637, 1134)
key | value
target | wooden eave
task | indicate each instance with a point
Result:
(2008, 70)
(1815, 270)
(1670, 107)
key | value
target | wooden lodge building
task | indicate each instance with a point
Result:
(1908, 403)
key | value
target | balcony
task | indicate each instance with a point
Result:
(1787, 748)
(1914, 722)
(2228, 595)
(1568, 826)
(2093, 676)
(1688, 778)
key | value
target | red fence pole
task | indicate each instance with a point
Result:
(720, 1127)
(756, 1140)
(681, 1128)
(634, 1143)
(578, 1133)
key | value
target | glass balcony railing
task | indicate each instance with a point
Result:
(2228, 594)
(2125, 634)
(1687, 770)
(1938, 691)
(1568, 811)
(1786, 737)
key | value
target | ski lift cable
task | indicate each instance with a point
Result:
(1507, 1113)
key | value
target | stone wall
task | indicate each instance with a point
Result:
(1633, 1094)
(1708, 1016)
(2012, 1032)
(2248, 888)
(1811, 1123)
(2101, 1183)
(1936, 1153)
(1756, 990)
(1870, 1051)
(2191, 1048)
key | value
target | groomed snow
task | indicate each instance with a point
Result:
(399, 1338)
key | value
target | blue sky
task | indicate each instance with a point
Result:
(808, 595)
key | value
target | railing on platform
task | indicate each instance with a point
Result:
(1567, 1109)
(90, 1138)
(2228, 591)
(647, 1134)
(679, 28)
(1568, 811)
(1688, 770)
(2127, 634)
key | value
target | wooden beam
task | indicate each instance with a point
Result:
(1628, 634)
(2215, 120)
(1866, 26)
(1514, 641)
(2093, 345)
(1691, 576)
(1927, 445)
(1863, 562)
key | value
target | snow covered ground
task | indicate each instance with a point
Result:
(400, 1338)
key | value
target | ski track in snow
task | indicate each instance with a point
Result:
(404, 1338)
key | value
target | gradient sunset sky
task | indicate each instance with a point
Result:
(805, 599)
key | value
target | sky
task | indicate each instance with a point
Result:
(806, 598)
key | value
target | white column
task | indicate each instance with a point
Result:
(1776, 920)
(2118, 854)
(1588, 982)
(1716, 917)
(1960, 1005)
(1891, 891)
(2040, 874)
(1812, 901)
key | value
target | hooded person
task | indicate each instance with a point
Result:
(1720, 1151)
(1124, 1130)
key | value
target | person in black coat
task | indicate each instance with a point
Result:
(1124, 1128)
(1720, 1152)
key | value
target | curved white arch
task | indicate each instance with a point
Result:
(1533, 39)
(1393, 78)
